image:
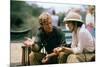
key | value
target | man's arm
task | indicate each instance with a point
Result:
(38, 42)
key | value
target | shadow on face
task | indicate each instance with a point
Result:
(70, 25)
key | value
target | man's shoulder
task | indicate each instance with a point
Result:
(40, 31)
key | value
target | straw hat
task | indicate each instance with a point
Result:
(72, 16)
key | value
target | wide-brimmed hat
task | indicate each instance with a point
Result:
(72, 16)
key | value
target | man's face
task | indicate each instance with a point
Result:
(47, 25)
(70, 26)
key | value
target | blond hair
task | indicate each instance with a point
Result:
(44, 16)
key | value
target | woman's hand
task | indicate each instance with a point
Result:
(62, 49)
(58, 49)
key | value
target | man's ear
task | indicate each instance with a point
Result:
(41, 24)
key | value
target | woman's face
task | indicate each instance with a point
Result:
(70, 26)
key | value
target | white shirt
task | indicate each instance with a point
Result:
(89, 19)
(82, 40)
(55, 20)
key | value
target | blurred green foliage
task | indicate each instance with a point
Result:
(23, 17)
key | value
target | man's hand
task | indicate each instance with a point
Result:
(28, 42)
(45, 59)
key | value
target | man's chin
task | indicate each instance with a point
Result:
(50, 30)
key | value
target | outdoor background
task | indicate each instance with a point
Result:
(24, 22)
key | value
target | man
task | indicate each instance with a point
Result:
(82, 48)
(55, 19)
(48, 37)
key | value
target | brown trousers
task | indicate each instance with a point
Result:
(36, 58)
(86, 57)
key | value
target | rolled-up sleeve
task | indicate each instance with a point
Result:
(38, 42)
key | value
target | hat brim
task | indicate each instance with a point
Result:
(77, 20)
